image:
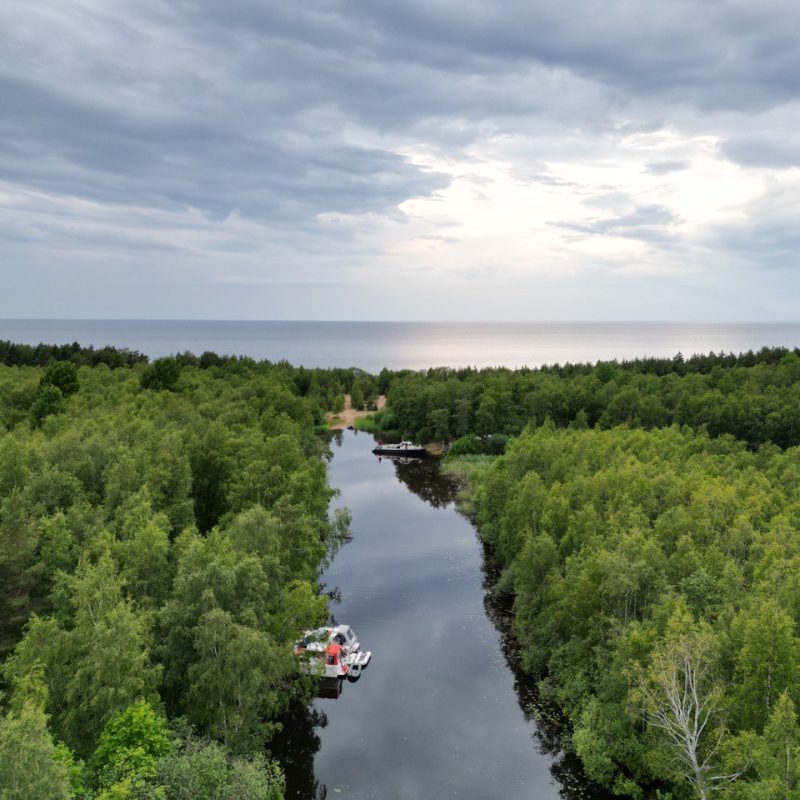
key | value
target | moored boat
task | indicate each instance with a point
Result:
(400, 449)
(332, 653)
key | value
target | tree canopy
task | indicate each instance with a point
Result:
(162, 529)
(655, 582)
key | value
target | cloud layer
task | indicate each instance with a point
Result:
(365, 159)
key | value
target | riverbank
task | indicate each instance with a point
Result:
(349, 416)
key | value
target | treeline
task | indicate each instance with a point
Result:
(13, 354)
(322, 390)
(754, 397)
(161, 533)
(656, 585)
(327, 386)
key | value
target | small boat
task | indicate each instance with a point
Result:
(401, 449)
(332, 653)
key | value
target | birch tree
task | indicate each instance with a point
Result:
(678, 696)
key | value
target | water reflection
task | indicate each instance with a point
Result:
(550, 725)
(444, 709)
(297, 745)
(423, 477)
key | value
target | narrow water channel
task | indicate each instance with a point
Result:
(440, 711)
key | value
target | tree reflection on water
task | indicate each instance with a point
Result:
(296, 746)
(299, 740)
(424, 478)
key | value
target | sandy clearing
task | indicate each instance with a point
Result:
(350, 414)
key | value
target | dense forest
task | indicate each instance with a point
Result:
(656, 585)
(646, 516)
(162, 528)
(754, 396)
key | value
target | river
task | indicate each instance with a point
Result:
(440, 711)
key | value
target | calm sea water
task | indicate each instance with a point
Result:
(414, 345)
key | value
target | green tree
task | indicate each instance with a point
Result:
(161, 375)
(439, 422)
(234, 685)
(63, 375)
(98, 665)
(777, 760)
(767, 659)
(204, 771)
(357, 397)
(49, 400)
(130, 745)
(680, 697)
(31, 766)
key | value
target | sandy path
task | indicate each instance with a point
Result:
(350, 414)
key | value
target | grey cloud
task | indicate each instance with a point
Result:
(552, 180)
(69, 147)
(243, 105)
(649, 223)
(723, 54)
(767, 239)
(665, 167)
(768, 149)
(612, 199)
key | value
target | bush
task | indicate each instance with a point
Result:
(161, 375)
(49, 400)
(62, 374)
(471, 445)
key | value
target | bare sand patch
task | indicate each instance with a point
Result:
(339, 421)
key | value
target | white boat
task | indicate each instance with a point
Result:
(332, 652)
(401, 449)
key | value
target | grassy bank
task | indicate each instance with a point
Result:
(468, 471)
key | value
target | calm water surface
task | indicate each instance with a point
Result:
(439, 712)
(412, 345)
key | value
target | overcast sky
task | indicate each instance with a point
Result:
(421, 159)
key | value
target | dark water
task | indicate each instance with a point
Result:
(413, 345)
(440, 711)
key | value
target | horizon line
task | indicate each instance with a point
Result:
(414, 321)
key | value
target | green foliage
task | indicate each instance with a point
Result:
(471, 445)
(99, 664)
(17, 355)
(161, 375)
(49, 400)
(63, 375)
(754, 396)
(234, 683)
(640, 558)
(357, 398)
(204, 771)
(59, 381)
(130, 745)
(32, 766)
(161, 548)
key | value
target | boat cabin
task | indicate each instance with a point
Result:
(343, 635)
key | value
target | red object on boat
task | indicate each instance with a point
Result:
(333, 652)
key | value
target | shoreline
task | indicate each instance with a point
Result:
(339, 421)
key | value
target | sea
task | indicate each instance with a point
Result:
(409, 345)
